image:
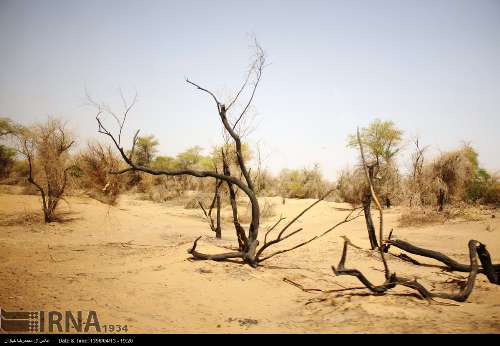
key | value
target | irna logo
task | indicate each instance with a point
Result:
(49, 321)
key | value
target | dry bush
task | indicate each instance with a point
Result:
(95, 165)
(448, 176)
(266, 184)
(466, 212)
(268, 209)
(46, 148)
(200, 197)
(492, 195)
(415, 185)
(144, 182)
(453, 177)
(351, 186)
(388, 184)
(160, 193)
(192, 203)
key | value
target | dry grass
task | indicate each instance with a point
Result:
(413, 217)
(193, 202)
(420, 216)
(24, 219)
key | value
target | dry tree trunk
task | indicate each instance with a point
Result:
(240, 232)
(441, 199)
(218, 230)
(367, 201)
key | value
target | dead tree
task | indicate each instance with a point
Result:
(476, 249)
(248, 243)
(48, 145)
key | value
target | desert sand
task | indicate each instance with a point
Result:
(129, 263)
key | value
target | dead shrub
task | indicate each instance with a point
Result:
(449, 176)
(46, 148)
(268, 209)
(351, 186)
(160, 193)
(95, 165)
(159, 188)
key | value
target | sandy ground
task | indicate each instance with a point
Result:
(129, 263)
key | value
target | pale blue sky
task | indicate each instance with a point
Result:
(433, 67)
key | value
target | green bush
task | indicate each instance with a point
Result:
(7, 156)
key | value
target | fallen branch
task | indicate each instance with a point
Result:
(492, 271)
(216, 257)
(395, 280)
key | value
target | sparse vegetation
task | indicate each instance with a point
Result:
(305, 183)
